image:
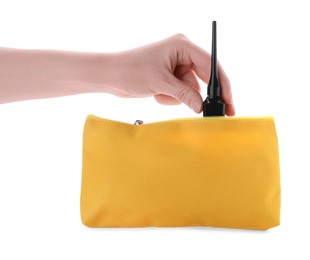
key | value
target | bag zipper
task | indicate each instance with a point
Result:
(138, 122)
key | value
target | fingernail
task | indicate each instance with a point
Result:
(197, 106)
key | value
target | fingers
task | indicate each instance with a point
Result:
(182, 92)
(185, 74)
(184, 61)
(186, 79)
(201, 64)
(226, 91)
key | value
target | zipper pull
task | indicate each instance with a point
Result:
(138, 122)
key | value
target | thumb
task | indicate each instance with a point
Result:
(184, 93)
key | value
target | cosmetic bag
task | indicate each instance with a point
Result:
(214, 171)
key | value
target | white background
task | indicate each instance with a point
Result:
(264, 48)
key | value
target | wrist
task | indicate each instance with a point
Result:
(96, 72)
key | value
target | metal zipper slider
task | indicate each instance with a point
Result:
(138, 122)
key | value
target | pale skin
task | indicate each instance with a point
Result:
(166, 70)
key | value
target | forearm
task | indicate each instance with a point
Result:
(32, 74)
(167, 70)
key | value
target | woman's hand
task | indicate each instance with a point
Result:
(167, 70)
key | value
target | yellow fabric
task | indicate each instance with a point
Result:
(220, 172)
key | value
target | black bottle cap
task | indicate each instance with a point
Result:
(214, 105)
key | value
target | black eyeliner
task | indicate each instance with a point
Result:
(214, 105)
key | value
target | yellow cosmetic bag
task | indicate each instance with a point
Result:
(214, 171)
